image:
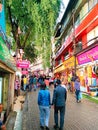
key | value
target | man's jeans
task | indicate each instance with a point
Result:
(35, 86)
(62, 114)
(44, 115)
(30, 87)
(24, 87)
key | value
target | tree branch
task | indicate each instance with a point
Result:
(26, 37)
(14, 26)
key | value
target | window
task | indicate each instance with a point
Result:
(91, 35)
(91, 3)
(60, 61)
(77, 21)
(66, 55)
(79, 46)
(84, 11)
(96, 31)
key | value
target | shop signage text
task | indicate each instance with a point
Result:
(69, 62)
(59, 69)
(23, 64)
(88, 56)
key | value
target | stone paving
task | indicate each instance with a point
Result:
(14, 119)
(79, 116)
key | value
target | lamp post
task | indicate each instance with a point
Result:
(74, 42)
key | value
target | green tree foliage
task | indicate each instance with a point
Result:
(35, 19)
(29, 53)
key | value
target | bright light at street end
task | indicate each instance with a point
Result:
(63, 8)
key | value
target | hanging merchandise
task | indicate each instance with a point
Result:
(94, 82)
(95, 69)
(89, 71)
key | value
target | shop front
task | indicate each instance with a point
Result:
(70, 65)
(7, 76)
(59, 71)
(64, 71)
(87, 69)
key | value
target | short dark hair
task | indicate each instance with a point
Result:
(43, 86)
(58, 81)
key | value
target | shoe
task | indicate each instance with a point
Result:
(42, 127)
(47, 128)
(77, 101)
(60, 128)
(56, 126)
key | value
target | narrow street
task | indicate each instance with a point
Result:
(42, 41)
(79, 116)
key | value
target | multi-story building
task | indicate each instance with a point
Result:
(76, 43)
(37, 67)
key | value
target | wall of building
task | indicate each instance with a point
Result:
(84, 30)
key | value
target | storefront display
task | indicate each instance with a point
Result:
(87, 68)
(58, 72)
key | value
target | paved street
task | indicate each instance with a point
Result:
(79, 116)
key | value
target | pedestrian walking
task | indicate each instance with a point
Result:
(17, 86)
(77, 89)
(46, 80)
(74, 77)
(44, 106)
(25, 82)
(35, 82)
(31, 82)
(59, 102)
(40, 80)
(22, 85)
(63, 85)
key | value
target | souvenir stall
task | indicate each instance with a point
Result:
(59, 71)
(87, 69)
(69, 69)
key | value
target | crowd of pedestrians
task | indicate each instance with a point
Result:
(45, 101)
(30, 82)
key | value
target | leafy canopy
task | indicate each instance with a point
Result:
(33, 21)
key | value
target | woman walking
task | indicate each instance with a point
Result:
(77, 89)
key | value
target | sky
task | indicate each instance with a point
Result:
(63, 7)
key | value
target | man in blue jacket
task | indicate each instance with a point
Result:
(59, 102)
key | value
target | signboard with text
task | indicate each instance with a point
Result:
(88, 56)
(23, 64)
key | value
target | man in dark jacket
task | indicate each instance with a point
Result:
(59, 102)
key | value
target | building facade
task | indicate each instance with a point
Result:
(76, 43)
(7, 77)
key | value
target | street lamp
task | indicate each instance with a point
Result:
(74, 42)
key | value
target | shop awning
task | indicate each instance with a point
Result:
(5, 56)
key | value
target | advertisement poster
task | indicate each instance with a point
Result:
(88, 56)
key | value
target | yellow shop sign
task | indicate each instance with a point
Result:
(69, 62)
(59, 69)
